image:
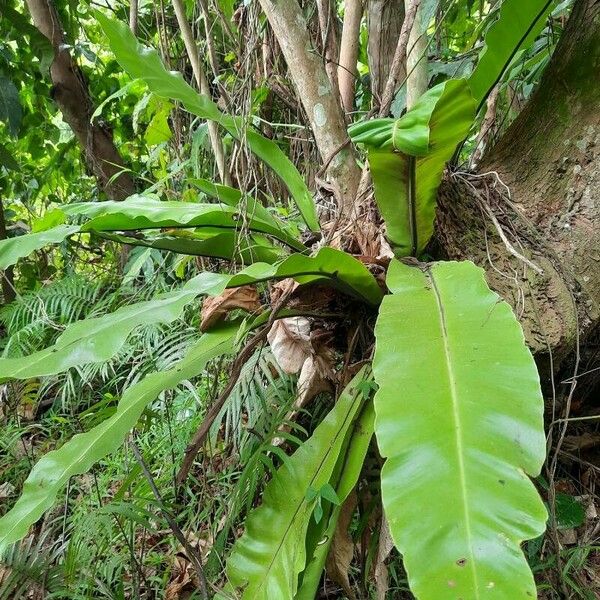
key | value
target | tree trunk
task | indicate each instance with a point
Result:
(416, 59)
(70, 92)
(549, 159)
(347, 73)
(384, 21)
(324, 112)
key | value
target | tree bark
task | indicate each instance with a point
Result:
(550, 156)
(328, 24)
(312, 84)
(384, 22)
(347, 73)
(416, 59)
(549, 159)
(70, 92)
(398, 66)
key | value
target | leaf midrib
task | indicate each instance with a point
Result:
(349, 415)
(457, 428)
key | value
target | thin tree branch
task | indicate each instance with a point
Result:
(133, 16)
(204, 87)
(353, 12)
(197, 440)
(399, 60)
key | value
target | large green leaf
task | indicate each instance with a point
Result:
(268, 558)
(144, 63)
(140, 213)
(518, 24)
(144, 212)
(12, 249)
(228, 245)
(329, 267)
(407, 159)
(98, 339)
(459, 420)
(78, 455)
(408, 134)
(349, 468)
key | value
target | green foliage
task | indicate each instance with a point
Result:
(327, 267)
(407, 158)
(143, 212)
(458, 411)
(268, 558)
(235, 198)
(78, 455)
(12, 249)
(33, 320)
(459, 423)
(144, 63)
(347, 472)
(98, 339)
(10, 107)
(518, 24)
(29, 565)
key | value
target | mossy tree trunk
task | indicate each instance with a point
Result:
(549, 159)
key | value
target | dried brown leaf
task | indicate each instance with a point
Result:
(290, 343)
(380, 571)
(283, 287)
(215, 309)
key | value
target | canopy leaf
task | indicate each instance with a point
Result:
(144, 63)
(407, 158)
(459, 420)
(271, 553)
(78, 455)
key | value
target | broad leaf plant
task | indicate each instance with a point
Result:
(457, 412)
